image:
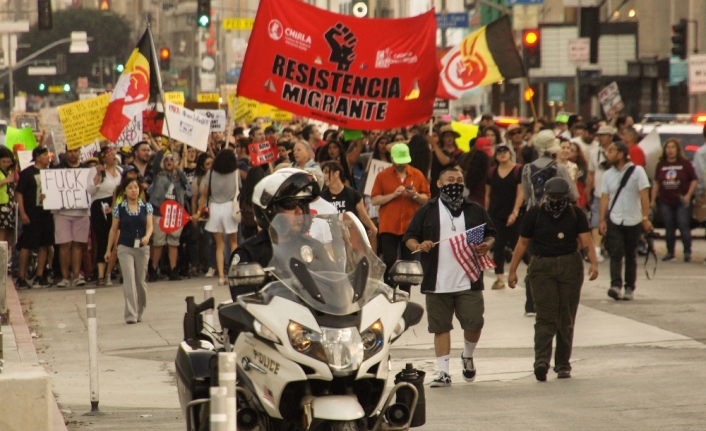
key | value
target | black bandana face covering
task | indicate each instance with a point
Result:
(556, 207)
(452, 195)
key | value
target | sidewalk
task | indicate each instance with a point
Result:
(19, 351)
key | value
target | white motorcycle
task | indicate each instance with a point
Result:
(313, 344)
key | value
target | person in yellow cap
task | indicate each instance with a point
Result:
(399, 190)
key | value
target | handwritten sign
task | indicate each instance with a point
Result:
(132, 133)
(217, 117)
(89, 151)
(65, 188)
(82, 120)
(187, 126)
(374, 168)
(175, 97)
(610, 100)
(24, 158)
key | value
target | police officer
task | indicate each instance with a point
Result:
(552, 230)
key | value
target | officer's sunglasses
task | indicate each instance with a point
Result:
(291, 204)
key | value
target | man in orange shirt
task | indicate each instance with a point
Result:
(399, 191)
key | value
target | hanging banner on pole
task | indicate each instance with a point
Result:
(356, 73)
(186, 126)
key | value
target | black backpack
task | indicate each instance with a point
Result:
(537, 178)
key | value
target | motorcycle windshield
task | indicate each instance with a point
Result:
(326, 260)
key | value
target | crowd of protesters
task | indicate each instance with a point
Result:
(74, 247)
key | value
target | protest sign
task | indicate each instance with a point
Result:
(132, 133)
(152, 122)
(65, 188)
(175, 97)
(49, 119)
(262, 153)
(217, 117)
(24, 158)
(187, 126)
(610, 100)
(20, 136)
(82, 120)
(25, 119)
(174, 216)
(89, 151)
(374, 168)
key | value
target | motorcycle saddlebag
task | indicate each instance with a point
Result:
(193, 371)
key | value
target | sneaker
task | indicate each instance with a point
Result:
(687, 257)
(210, 272)
(22, 283)
(40, 282)
(63, 283)
(499, 284)
(79, 281)
(174, 275)
(600, 258)
(540, 372)
(108, 281)
(443, 381)
(614, 292)
(151, 275)
(563, 374)
(668, 257)
(628, 295)
(469, 370)
(530, 314)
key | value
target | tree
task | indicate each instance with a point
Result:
(111, 35)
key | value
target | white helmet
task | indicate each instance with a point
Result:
(284, 184)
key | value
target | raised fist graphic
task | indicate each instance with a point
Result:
(342, 41)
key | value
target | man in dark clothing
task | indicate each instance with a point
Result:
(447, 286)
(551, 230)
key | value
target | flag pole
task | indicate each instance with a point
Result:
(446, 239)
(155, 60)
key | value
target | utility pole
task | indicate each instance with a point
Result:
(577, 78)
(443, 30)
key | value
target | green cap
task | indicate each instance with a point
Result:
(349, 135)
(400, 154)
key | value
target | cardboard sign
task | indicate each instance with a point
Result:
(132, 133)
(24, 158)
(65, 189)
(374, 168)
(23, 136)
(187, 126)
(89, 151)
(152, 122)
(49, 119)
(217, 117)
(610, 100)
(174, 216)
(262, 153)
(82, 120)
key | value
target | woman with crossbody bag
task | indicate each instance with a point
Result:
(220, 192)
(200, 213)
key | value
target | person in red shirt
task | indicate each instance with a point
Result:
(673, 187)
(399, 191)
(631, 137)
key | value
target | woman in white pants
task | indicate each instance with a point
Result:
(133, 217)
(219, 193)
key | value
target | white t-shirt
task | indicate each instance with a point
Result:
(595, 158)
(320, 230)
(586, 147)
(627, 209)
(450, 276)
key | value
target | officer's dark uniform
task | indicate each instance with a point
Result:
(256, 249)
(556, 276)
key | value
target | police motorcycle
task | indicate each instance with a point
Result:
(312, 334)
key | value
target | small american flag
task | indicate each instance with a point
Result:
(464, 246)
(267, 394)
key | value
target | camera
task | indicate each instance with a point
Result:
(205, 214)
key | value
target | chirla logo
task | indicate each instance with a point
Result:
(275, 29)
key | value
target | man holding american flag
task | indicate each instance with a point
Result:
(454, 237)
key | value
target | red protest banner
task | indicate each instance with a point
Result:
(356, 73)
(152, 121)
(174, 216)
(262, 153)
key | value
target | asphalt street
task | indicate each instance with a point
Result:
(637, 365)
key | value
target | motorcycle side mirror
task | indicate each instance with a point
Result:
(245, 278)
(406, 272)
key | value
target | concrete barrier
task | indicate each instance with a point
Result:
(26, 398)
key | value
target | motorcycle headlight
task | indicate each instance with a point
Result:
(373, 339)
(265, 332)
(398, 330)
(343, 348)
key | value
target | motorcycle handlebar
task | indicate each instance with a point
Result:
(208, 304)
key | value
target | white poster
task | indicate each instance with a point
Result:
(132, 133)
(89, 151)
(374, 168)
(697, 73)
(65, 189)
(217, 117)
(24, 158)
(610, 100)
(186, 126)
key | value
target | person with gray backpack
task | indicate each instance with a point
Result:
(534, 177)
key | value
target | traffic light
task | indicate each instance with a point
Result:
(530, 48)
(164, 56)
(119, 68)
(44, 15)
(67, 88)
(42, 86)
(203, 13)
(679, 39)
